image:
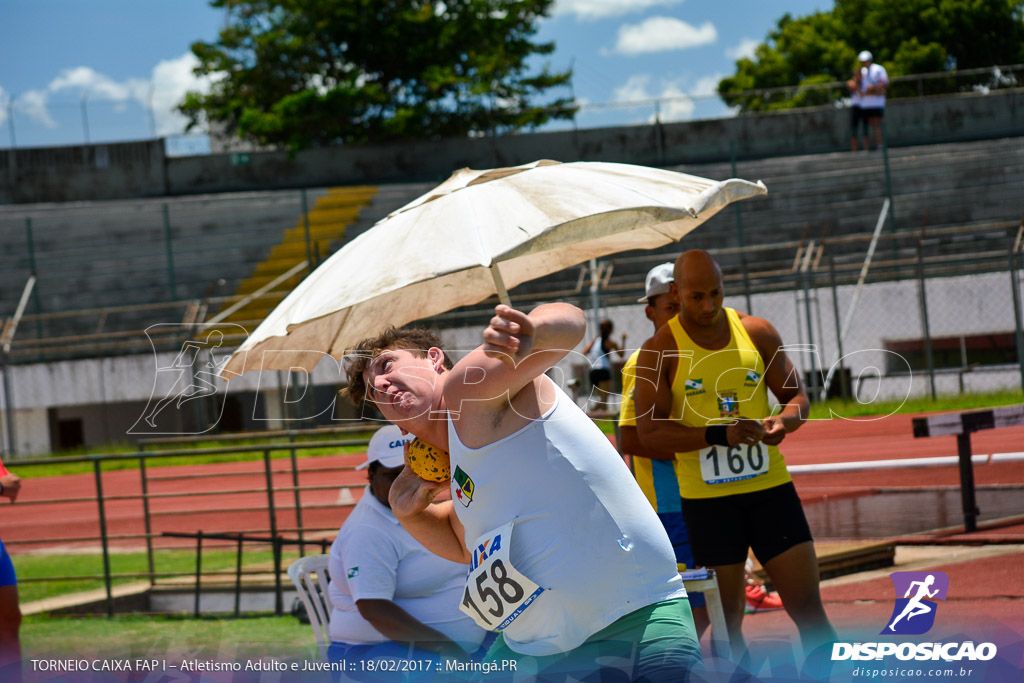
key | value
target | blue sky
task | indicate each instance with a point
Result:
(129, 61)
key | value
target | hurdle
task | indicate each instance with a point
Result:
(963, 425)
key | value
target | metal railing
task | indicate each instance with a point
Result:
(148, 536)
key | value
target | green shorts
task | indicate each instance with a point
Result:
(655, 643)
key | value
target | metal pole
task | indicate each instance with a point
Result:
(170, 254)
(238, 578)
(843, 384)
(147, 520)
(923, 300)
(8, 405)
(278, 588)
(10, 121)
(888, 187)
(860, 281)
(1015, 284)
(85, 117)
(970, 507)
(305, 224)
(739, 233)
(152, 115)
(104, 541)
(813, 370)
(298, 502)
(199, 569)
(272, 511)
(30, 241)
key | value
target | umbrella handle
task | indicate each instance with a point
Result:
(499, 284)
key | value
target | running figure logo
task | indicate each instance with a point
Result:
(914, 613)
(192, 376)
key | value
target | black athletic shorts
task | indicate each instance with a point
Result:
(872, 112)
(857, 121)
(721, 529)
(598, 375)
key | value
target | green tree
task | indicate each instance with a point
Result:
(304, 73)
(911, 36)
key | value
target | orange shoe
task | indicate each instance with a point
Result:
(760, 600)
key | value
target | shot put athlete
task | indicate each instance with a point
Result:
(567, 560)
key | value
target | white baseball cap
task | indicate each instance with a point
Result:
(387, 447)
(864, 56)
(658, 280)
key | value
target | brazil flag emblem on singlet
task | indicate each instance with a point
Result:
(463, 486)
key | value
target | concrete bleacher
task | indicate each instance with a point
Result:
(961, 198)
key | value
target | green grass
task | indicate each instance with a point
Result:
(818, 411)
(915, 405)
(168, 638)
(838, 407)
(27, 470)
(165, 561)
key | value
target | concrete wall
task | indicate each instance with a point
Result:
(140, 169)
(62, 174)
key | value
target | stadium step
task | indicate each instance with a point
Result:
(311, 238)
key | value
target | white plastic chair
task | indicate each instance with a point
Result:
(308, 574)
(704, 581)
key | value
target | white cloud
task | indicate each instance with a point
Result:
(633, 89)
(744, 50)
(165, 88)
(172, 78)
(676, 105)
(658, 34)
(707, 86)
(32, 103)
(601, 9)
(4, 101)
(99, 86)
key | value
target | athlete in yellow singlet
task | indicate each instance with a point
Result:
(702, 388)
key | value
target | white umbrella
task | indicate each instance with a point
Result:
(470, 238)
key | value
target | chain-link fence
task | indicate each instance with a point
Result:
(936, 304)
(91, 118)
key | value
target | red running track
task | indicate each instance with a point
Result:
(64, 524)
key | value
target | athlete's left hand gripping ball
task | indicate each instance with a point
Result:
(427, 462)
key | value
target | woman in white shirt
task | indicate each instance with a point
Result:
(392, 597)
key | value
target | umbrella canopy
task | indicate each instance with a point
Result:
(474, 235)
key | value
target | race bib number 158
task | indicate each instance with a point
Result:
(496, 592)
(722, 464)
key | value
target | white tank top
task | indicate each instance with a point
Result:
(599, 359)
(583, 530)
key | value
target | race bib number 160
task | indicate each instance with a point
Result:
(496, 592)
(722, 464)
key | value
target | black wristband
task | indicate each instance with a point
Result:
(715, 435)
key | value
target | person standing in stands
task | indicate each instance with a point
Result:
(874, 83)
(857, 120)
(702, 386)
(599, 351)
